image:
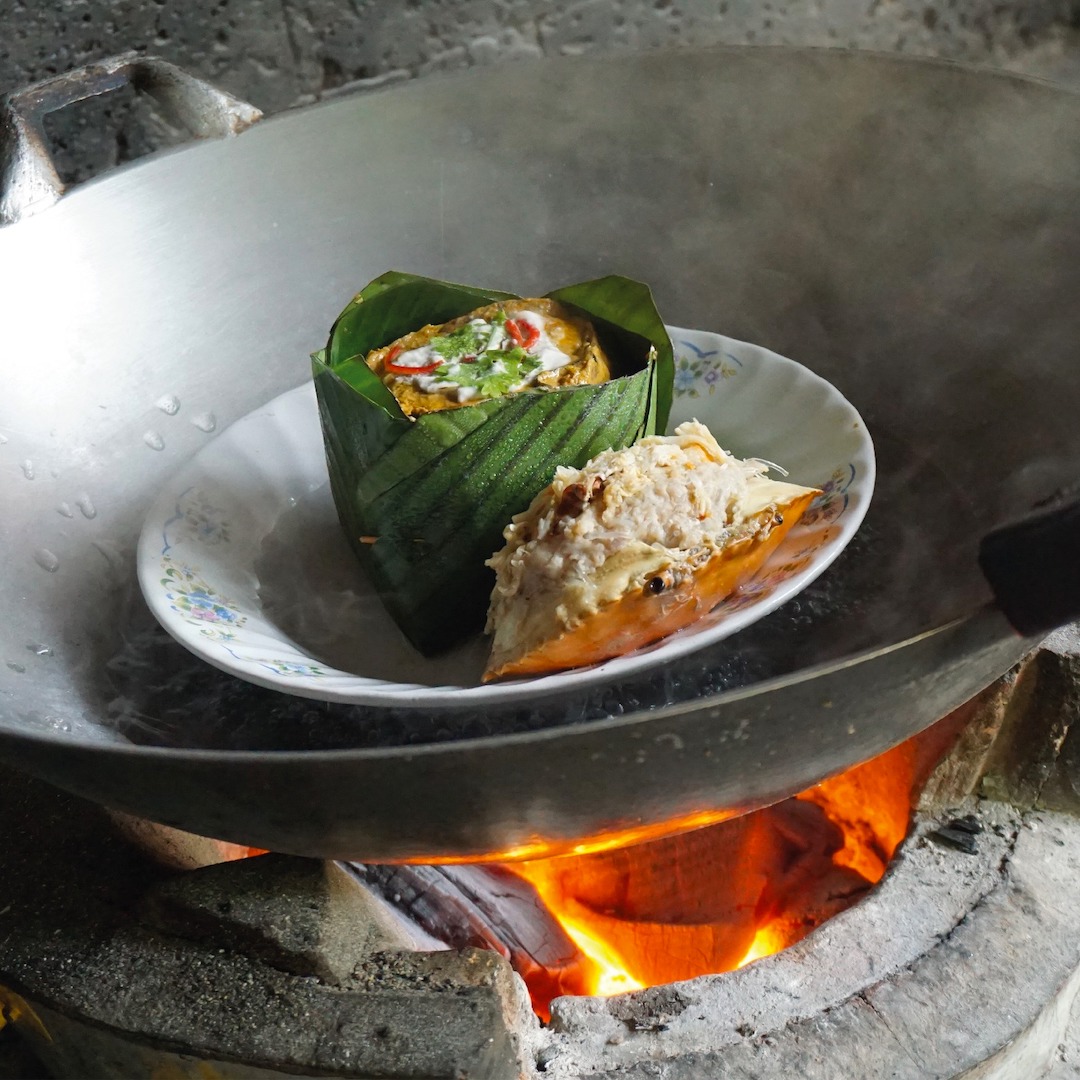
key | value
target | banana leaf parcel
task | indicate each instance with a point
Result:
(424, 500)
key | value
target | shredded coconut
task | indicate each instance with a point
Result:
(664, 499)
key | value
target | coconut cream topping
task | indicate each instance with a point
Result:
(665, 504)
(483, 358)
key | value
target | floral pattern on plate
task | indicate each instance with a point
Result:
(191, 597)
(291, 669)
(699, 371)
(833, 500)
(219, 620)
(195, 519)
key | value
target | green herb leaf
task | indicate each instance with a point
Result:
(467, 340)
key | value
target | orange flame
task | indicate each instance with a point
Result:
(606, 975)
(769, 939)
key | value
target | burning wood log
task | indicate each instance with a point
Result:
(487, 906)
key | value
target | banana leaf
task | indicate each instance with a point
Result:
(423, 501)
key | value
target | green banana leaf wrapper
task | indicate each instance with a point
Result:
(431, 496)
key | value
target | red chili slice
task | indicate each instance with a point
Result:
(524, 333)
(398, 369)
(402, 369)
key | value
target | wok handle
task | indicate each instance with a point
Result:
(29, 181)
(1033, 566)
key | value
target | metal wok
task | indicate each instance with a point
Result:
(910, 230)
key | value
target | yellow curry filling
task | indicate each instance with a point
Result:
(501, 349)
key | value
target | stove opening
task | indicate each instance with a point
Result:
(703, 901)
(716, 898)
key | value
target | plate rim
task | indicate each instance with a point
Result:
(371, 692)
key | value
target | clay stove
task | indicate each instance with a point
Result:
(963, 962)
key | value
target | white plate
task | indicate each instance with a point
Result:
(242, 559)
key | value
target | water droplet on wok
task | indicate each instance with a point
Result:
(46, 560)
(38, 649)
(154, 440)
(168, 404)
(16, 668)
(28, 469)
(86, 507)
(65, 510)
(205, 421)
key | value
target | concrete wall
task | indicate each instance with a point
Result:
(279, 53)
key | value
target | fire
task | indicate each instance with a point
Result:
(543, 848)
(768, 940)
(699, 894)
(608, 975)
(872, 804)
(231, 852)
(719, 897)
